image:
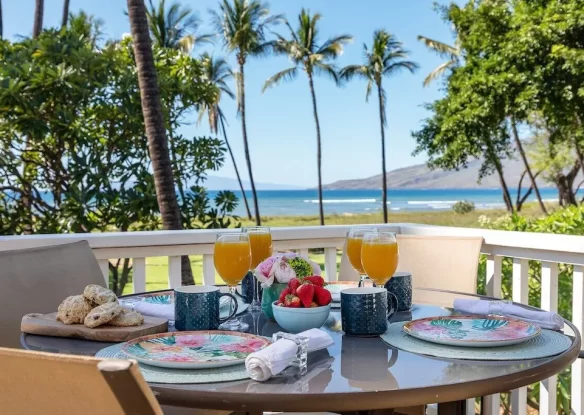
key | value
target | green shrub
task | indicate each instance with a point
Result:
(463, 206)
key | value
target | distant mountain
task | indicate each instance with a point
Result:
(227, 183)
(421, 177)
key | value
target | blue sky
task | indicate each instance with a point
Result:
(280, 123)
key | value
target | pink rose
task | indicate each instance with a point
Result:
(263, 271)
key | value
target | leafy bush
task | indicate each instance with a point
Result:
(567, 221)
(463, 206)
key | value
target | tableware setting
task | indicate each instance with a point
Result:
(260, 240)
(197, 308)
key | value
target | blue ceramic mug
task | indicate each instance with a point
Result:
(365, 310)
(400, 285)
(197, 308)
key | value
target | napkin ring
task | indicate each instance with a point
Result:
(301, 359)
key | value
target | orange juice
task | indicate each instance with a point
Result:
(354, 253)
(232, 260)
(261, 247)
(379, 260)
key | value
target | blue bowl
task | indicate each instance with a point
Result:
(295, 320)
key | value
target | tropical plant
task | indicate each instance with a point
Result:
(463, 207)
(73, 112)
(217, 72)
(242, 24)
(175, 27)
(386, 57)
(452, 53)
(303, 50)
(65, 15)
(39, 11)
(155, 129)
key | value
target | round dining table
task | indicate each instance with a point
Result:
(354, 374)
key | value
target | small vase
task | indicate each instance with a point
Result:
(269, 295)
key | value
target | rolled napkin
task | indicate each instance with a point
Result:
(544, 319)
(165, 311)
(272, 360)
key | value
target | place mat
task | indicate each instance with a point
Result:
(162, 375)
(548, 343)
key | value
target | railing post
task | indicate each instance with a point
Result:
(208, 270)
(578, 320)
(303, 252)
(494, 279)
(549, 302)
(174, 272)
(330, 263)
(520, 295)
(104, 266)
(139, 274)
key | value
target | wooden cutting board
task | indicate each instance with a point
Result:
(47, 325)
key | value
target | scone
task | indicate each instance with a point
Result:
(127, 318)
(99, 295)
(74, 309)
(102, 314)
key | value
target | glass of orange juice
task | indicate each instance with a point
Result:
(379, 256)
(232, 258)
(353, 249)
(260, 240)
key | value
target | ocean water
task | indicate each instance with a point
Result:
(305, 202)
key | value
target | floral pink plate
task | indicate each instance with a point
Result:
(194, 349)
(472, 331)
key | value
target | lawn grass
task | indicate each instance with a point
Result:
(157, 267)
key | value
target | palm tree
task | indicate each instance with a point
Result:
(65, 15)
(217, 72)
(386, 57)
(154, 122)
(242, 25)
(175, 27)
(452, 53)
(313, 59)
(38, 18)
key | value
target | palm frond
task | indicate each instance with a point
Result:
(351, 71)
(368, 90)
(439, 71)
(443, 49)
(399, 66)
(322, 68)
(333, 47)
(286, 75)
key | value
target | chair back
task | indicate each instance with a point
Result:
(53, 384)
(440, 262)
(37, 280)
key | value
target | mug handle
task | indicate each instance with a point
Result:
(391, 304)
(221, 320)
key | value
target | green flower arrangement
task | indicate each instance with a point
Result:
(301, 267)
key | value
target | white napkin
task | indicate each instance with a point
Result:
(276, 357)
(165, 311)
(544, 319)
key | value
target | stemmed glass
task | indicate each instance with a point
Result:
(379, 256)
(353, 249)
(260, 240)
(232, 259)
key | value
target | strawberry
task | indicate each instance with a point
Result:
(322, 296)
(283, 294)
(305, 292)
(315, 280)
(292, 301)
(293, 285)
(313, 304)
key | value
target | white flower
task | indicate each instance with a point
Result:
(282, 271)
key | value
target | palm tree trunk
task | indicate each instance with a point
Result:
(383, 169)
(318, 150)
(245, 143)
(38, 18)
(236, 169)
(65, 16)
(1, 22)
(526, 163)
(154, 122)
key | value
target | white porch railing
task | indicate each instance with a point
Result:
(548, 249)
